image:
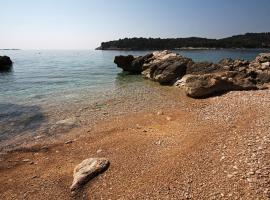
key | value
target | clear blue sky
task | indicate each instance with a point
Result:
(84, 24)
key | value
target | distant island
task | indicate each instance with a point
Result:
(10, 49)
(248, 40)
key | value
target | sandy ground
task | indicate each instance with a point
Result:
(217, 148)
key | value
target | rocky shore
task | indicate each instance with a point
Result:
(5, 63)
(200, 79)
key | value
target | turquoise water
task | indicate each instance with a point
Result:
(51, 75)
(49, 85)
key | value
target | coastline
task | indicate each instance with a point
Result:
(183, 48)
(197, 149)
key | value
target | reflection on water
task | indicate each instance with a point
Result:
(125, 78)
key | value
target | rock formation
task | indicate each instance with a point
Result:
(5, 63)
(200, 79)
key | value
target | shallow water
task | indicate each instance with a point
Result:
(51, 85)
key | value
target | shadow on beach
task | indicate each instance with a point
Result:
(17, 119)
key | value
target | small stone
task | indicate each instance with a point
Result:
(158, 142)
(144, 130)
(235, 167)
(160, 113)
(168, 118)
(230, 175)
(44, 148)
(87, 170)
(138, 126)
(250, 180)
(69, 142)
(26, 160)
(99, 151)
(223, 78)
(38, 137)
(222, 158)
(258, 171)
(251, 173)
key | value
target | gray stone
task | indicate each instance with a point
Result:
(87, 170)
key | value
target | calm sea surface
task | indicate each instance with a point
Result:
(50, 85)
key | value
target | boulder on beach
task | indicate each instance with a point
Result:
(5, 63)
(87, 170)
(199, 86)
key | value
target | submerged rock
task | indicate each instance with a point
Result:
(5, 63)
(87, 170)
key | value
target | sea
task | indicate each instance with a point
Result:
(47, 88)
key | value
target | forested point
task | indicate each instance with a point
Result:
(248, 40)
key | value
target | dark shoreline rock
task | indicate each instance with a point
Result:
(200, 79)
(5, 63)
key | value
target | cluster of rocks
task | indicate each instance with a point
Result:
(5, 63)
(200, 79)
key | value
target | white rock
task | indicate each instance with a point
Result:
(168, 118)
(160, 113)
(265, 65)
(182, 82)
(87, 170)
(99, 151)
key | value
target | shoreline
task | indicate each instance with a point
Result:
(196, 149)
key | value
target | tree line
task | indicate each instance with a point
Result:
(248, 40)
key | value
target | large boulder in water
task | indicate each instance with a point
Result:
(168, 70)
(5, 63)
(131, 64)
(124, 62)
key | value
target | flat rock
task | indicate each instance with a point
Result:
(87, 170)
